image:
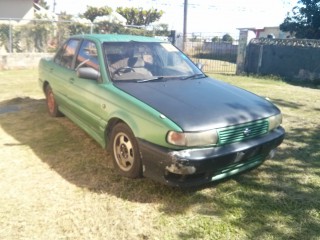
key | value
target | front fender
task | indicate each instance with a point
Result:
(144, 121)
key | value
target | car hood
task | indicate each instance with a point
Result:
(200, 104)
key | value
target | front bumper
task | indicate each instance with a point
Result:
(191, 167)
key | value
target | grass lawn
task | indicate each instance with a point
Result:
(57, 183)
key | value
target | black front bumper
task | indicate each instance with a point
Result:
(191, 167)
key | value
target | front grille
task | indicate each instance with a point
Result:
(242, 132)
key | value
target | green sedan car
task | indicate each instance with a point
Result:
(156, 112)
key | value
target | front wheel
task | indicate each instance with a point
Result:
(125, 152)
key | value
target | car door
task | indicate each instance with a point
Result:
(62, 71)
(87, 95)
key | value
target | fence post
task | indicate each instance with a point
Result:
(260, 59)
(91, 28)
(10, 36)
(242, 46)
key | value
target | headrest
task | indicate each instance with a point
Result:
(136, 62)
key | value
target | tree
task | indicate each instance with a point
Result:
(139, 16)
(304, 20)
(161, 29)
(93, 12)
(215, 39)
(227, 38)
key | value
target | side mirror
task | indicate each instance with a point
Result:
(88, 73)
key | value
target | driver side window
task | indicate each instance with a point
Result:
(66, 53)
(88, 56)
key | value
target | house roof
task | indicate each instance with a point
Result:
(42, 11)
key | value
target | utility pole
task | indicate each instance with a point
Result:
(54, 6)
(185, 18)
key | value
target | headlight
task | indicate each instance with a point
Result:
(275, 121)
(192, 139)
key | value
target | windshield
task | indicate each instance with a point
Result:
(146, 61)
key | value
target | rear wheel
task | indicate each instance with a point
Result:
(125, 152)
(51, 103)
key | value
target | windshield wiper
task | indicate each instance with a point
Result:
(149, 79)
(198, 75)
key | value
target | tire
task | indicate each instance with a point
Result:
(52, 105)
(125, 152)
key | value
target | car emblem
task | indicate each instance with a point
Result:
(246, 132)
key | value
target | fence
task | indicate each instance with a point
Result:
(217, 57)
(209, 49)
(39, 36)
(293, 59)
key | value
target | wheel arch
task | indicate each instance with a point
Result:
(118, 117)
(108, 130)
(44, 85)
(111, 123)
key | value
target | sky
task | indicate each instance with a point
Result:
(206, 16)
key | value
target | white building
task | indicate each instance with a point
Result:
(22, 10)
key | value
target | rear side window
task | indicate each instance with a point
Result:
(66, 53)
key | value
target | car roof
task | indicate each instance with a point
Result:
(117, 38)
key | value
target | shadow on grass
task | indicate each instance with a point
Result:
(279, 199)
(283, 103)
(288, 80)
(69, 151)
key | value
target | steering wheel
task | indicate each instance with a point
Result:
(123, 70)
